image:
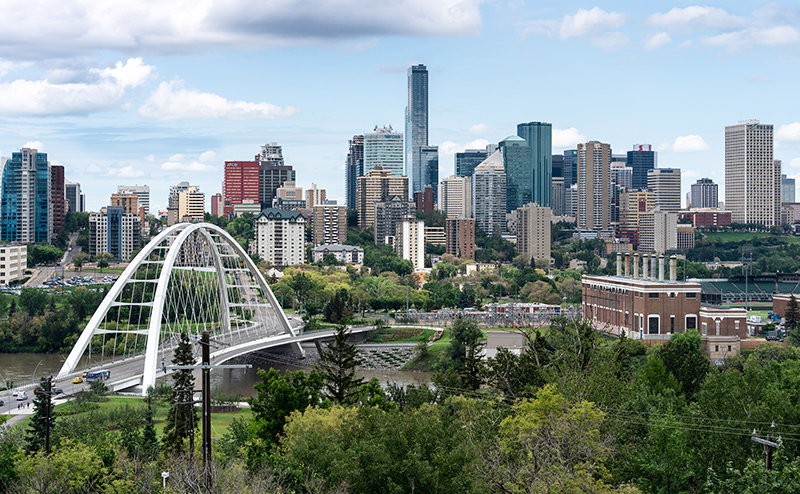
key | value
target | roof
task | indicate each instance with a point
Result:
(514, 139)
(337, 248)
(280, 214)
(493, 162)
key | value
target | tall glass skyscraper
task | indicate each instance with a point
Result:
(539, 136)
(468, 160)
(641, 159)
(516, 155)
(384, 147)
(25, 205)
(570, 169)
(354, 168)
(430, 169)
(416, 125)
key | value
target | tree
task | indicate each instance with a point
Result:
(338, 308)
(102, 260)
(79, 259)
(792, 317)
(42, 420)
(463, 355)
(182, 419)
(683, 358)
(339, 362)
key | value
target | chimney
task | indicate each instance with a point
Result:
(619, 264)
(636, 265)
(653, 260)
(661, 267)
(645, 261)
(627, 265)
(673, 268)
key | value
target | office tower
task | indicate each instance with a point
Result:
(455, 196)
(752, 176)
(25, 203)
(704, 194)
(129, 203)
(354, 168)
(594, 163)
(460, 233)
(388, 214)
(558, 196)
(58, 200)
(489, 195)
(429, 156)
(533, 231)
(374, 187)
(665, 183)
(571, 201)
(114, 231)
(314, 196)
(633, 204)
(516, 155)
(658, 231)
(289, 191)
(384, 147)
(272, 173)
(570, 168)
(329, 224)
(217, 204)
(539, 136)
(641, 159)
(281, 237)
(271, 155)
(241, 182)
(558, 165)
(142, 195)
(416, 126)
(468, 160)
(424, 200)
(409, 241)
(185, 203)
(787, 187)
(621, 178)
(72, 191)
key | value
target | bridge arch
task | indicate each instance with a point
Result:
(191, 277)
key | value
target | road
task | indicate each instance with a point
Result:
(45, 273)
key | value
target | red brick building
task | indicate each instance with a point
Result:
(58, 198)
(460, 234)
(701, 218)
(424, 200)
(241, 182)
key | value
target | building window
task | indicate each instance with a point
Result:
(736, 325)
(691, 295)
(652, 295)
(653, 325)
(716, 348)
(691, 322)
(705, 329)
(671, 324)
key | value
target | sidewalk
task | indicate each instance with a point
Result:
(19, 414)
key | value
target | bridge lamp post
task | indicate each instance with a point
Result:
(33, 377)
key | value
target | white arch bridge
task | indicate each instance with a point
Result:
(190, 278)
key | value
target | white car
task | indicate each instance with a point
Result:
(22, 396)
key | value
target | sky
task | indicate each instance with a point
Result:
(157, 92)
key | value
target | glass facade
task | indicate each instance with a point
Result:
(416, 125)
(468, 160)
(641, 159)
(519, 173)
(25, 204)
(430, 169)
(570, 168)
(384, 148)
(539, 136)
(354, 168)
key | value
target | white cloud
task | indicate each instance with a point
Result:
(37, 145)
(610, 41)
(175, 157)
(737, 41)
(759, 79)
(171, 101)
(125, 172)
(43, 98)
(696, 17)
(208, 156)
(690, 174)
(587, 22)
(194, 166)
(656, 41)
(789, 132)
(685, 144)
(149, 158)
(565, 138)
(478, 129)
(795, 163)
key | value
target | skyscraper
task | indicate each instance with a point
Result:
(25, 204)
(73, 193)
(241, 183)
(704, 194)
(533, 231)
(272, 173)
(594, 162)
(489, 194)
(787, 187)
(376, 186)
(460, 237)
(468, 160)
(752, 177)
(665, 183)
(455, 197)
(621, 178)
(354, 168)
(384, 147)
(142, 193)
(516, 153)
(539, 136)
(641, 159)
(416, 125)
(570, 168)
(429, 155)
(58, 201)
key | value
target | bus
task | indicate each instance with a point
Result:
(99, 375)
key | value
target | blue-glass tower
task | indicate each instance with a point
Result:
(468, 160)
(430, 169)
(516, 155)
(570, 168)
(25, 203)
(539, 136)
(416, 125)
(641, 159)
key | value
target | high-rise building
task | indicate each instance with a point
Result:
(142, 195)
(658, 231)
(416, 127)
(409, 241)
(271, 155)
(460, 234)
(571, 201)
(280, 237)
(533, 231)
(376, 186)
(787, 187)
(58, 199)
(516, 153)
(489, 194)
(752, 176)
(314, 196)
(665, 183)
(272, 173)
(468, 160)
(354, 168)
(558, 196)
(289, 191)
(388, 214)
(594, 163)
(217, 204)
(621, 178)
(129, 203)
(329, 224)
(241, 182)
(186, 203)
(539, 136)
(558, 165)
(633, 204)
(455, 196)
(114, 231)
(641, 159)
(570, 168)
(73, 194)
(704, 194)
(429, 155)
(425, 200)
(383, 147)
(25, 200)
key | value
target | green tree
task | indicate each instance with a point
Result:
(182, 419)
(79, 259)
(683, 358)
(102, 260)
(338, 307)
(42, 420)
(339, 362)
(793, 320)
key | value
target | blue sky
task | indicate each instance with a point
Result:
(158, 92)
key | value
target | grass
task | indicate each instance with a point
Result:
(736, 236)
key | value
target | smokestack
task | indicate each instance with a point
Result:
(645, 261)
(627, 265)
(653, 260)
(661, 267)
(673, 268)
(619, 264)
(636, 265)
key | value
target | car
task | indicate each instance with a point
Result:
(57, 390)
(77, 380)
(2, 403)
(22, 396)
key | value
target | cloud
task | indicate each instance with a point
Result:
(208, 156)
(789, 132)
(795, 163)
(150, 158)
(690, 174)
(610, 41)
(194, 166)
(759, 79)
(591, 24)
(175, 157)
(37, 145)
(565, 138)
(685, 144)
(106, 91)
(172, 101)
(736, 41)
(656, 41)
(478, 129)
(695, 17)
(125, 172)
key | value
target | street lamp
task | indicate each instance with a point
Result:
(33, 378)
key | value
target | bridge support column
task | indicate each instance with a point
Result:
(319, 346)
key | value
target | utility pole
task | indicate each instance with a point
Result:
(768, 443)
(48, 394)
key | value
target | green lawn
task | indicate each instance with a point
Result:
(736, 236)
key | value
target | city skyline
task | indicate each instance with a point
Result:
(117, 104)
